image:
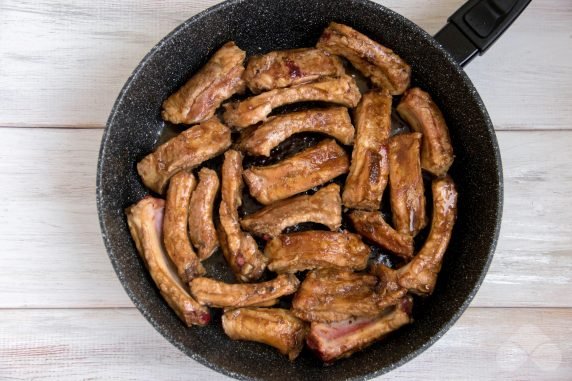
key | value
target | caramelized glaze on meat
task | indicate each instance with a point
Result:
(381, 65)
(217, 81)
(341, 339)
(372, 226)
(201, 225)
(420, 275)
(214, 293)
(323, 207)
(276, 327)
(342, 90)
(418, 109)
(145, 220)
(333, 121)
(370, 167)
(406, 184)
(239, 248)
(309, 168)
(328, 295)
(175, 235)
(285, 68)
(183, 152)
(289, 253)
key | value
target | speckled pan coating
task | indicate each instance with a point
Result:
(260, 26)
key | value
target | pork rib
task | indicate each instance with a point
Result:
(276, 327)
(341, 339)
(285, 68)
(289, 253)
(370, 167)
(201, 226)
(213, 293)
(239, 248)
(309, 168)
(333, 121)
(145, 220)
(381, 65)
(183, 152)
(342, 90)
(406, 184)
(422, 114)
(175, 235)
(323, 207)
(217, 81)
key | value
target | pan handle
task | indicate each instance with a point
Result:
(475, 26)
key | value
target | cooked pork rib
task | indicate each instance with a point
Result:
(370, 167)
(328, 295)
(342, 90)
(423, 115)
(217, 81)
(420, 275)
(284, 68)
(175, 235)
(185, 151)
(341, 339)
(303, 171)
(289, 253)
(213, 293)
(406, 184)
(201, 226)
(239, 248)
(333, 121)
(372, 226)
(323, 207)
(381, 65)
(145, 220)
(276, 327)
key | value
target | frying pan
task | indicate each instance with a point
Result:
(135, 126)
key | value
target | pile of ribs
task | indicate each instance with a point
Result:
(341, 297)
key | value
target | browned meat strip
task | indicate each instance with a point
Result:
(217, 81)
(423, 115)
(323, 207)
(201, 225)
(342, 90)
(175, 235)
(406, 184)
(372, 226)
(285, 68)
(239, 248)
(370, 167)
(276, 327)
(213, 293)
(309, 168)
(420, 275)
(289, 253)
(334, 121)
(145, 221)
(341, 339)
(381, 65)
(328, 295)
(185, 151)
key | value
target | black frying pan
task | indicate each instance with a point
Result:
(259, 26)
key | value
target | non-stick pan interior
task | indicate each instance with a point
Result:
(260, 26)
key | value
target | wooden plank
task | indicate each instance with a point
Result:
(53, 255)
(486, 344)
(64, 64)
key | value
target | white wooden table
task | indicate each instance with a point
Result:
(64, 314)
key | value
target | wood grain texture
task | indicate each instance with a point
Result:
(63, 63)
(54, 256)
(485, 344)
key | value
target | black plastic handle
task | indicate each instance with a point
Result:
(475, 26)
